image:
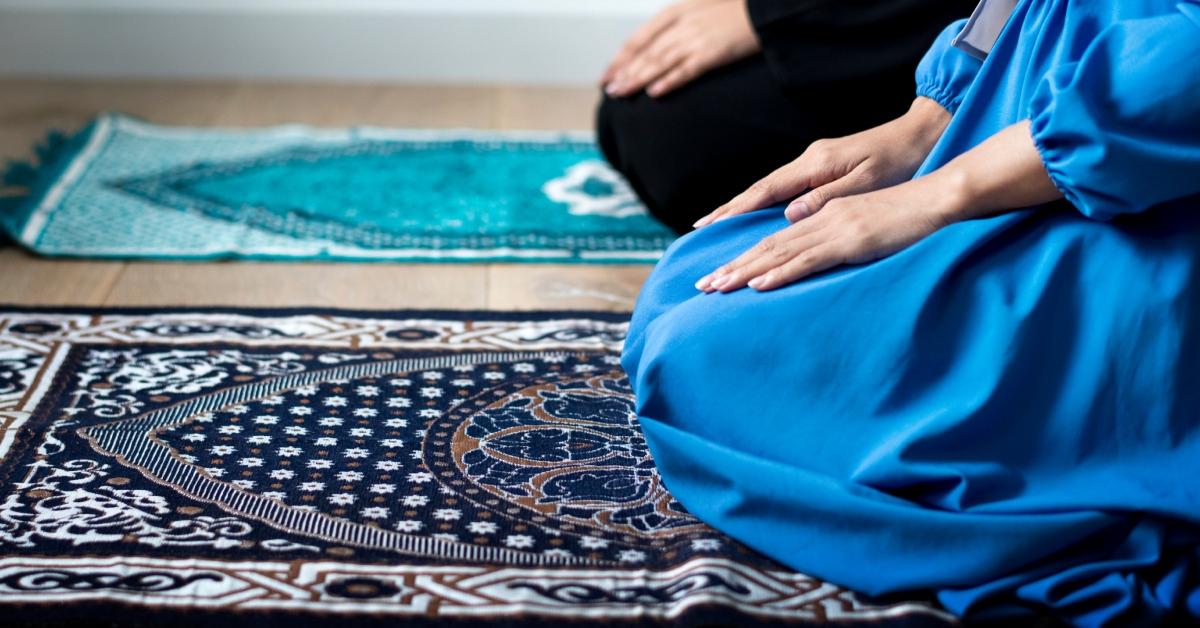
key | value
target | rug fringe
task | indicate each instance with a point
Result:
(25, 174)
(19, 179)
(8, 204)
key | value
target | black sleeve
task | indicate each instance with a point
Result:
(823, 41)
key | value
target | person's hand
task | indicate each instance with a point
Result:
(849, 230)
(876, 158)
(679, 44)
(1003, 173)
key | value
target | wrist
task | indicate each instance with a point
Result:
(929, 111)
(914, 134)
(955, 196)
(749, 42)
(925, 121)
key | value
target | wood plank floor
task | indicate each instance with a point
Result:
(29, 108)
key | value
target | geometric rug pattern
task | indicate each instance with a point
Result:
(301, 467)
(122, 188)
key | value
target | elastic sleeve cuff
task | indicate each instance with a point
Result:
(1050, 152)
(1065, 145)
(946, 73)
(940, 94)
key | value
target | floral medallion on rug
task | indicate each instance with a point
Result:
(299, 467)
(123, 188)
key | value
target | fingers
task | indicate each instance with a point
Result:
(650, 30)
(784, 183)
(771, 252)
(811, 202)
(657, 60)
(640, 40)
(676, 78)
(819, 258)
(614, 67)
(853, 230)
(618, 69)
(757, 196)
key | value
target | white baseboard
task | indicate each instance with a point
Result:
(555, 42)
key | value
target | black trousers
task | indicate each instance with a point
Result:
(690, 151)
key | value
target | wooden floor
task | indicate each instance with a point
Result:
(28, 108)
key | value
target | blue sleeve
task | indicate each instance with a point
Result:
(1119, 130)
(946, 72)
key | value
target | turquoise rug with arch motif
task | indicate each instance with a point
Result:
(126, 189)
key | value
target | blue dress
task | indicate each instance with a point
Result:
(1006, 413)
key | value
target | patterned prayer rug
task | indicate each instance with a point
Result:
(305, 467)
(122, 188)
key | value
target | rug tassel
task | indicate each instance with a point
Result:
(18, 178)
(51, 148)
(20, 174)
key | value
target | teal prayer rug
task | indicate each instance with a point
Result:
(123, 188)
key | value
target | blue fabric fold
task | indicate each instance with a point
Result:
(1119, 130)
(1005, 413)
(946, 72)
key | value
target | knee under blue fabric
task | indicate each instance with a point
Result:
(1006, 412)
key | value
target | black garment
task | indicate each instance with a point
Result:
(828, 68)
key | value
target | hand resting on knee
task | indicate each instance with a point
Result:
(876, 158)
(682, 42)
(1004, 173)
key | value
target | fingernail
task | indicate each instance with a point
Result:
(703, 283)
(797, 209)
(612, 89)
(720, 272)
(757, 282)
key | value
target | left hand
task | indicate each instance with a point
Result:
(849, 230)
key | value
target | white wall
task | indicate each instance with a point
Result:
(562, 42)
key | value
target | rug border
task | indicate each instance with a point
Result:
(705, 615)
(83, 613)
(19, 214)
(17, 217)
(612, 316)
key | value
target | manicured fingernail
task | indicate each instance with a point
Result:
(618, 84)
(757, 282)
(797, 209)
(704, 282)
(613, 88)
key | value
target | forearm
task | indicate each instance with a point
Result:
(1004, 173)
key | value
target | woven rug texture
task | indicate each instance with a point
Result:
(125, 189)
(297, 467)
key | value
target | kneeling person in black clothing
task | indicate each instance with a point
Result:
(712, 95)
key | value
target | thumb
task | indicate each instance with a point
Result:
(815, 199)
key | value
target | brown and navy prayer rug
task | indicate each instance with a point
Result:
(305, 467)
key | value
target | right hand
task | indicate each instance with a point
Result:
(873, 159)
(680, 43)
